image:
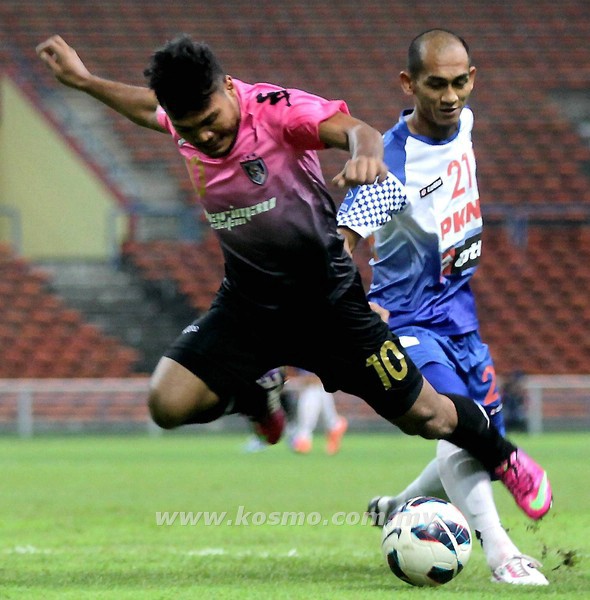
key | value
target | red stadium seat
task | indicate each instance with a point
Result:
(528, 152)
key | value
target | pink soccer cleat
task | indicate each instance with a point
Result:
(528, 484)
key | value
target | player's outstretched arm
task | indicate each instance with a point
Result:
(134, 102)
(365, 145)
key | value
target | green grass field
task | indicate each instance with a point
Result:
(78, 519)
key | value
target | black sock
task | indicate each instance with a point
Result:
(209, 414)
(252, 402)
(477, 435)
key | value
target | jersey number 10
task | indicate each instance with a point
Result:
(384, 367)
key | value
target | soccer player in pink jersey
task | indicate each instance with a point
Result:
(291, 293)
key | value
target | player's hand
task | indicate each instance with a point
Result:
(63, 61)
(382, 312)
(361, 171)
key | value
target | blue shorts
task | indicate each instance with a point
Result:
(458, 364)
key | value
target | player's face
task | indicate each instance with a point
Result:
(213, 131)
(440, 91)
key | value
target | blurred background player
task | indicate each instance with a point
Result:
(313, 404)
(305, 402)
(424, 258)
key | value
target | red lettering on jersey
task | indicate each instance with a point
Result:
(445, 227)
(457, 221)
(473, 210)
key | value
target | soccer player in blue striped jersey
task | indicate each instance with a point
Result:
(426, 225)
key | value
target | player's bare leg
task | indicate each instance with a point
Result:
(178, 397)
(432, 416)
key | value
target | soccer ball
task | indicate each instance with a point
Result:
(426, 541)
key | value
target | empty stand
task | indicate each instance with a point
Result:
(533, 300)
(524, 50)
(41, 337)
(533, 296)
(194, 269)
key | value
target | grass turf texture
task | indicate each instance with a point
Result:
(78, 519)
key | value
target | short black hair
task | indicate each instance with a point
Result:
(415, 63)
(184, 74)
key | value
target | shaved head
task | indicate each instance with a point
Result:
(433, 39)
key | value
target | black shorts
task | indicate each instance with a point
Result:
(343, 342)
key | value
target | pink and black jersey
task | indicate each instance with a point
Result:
(267, 200)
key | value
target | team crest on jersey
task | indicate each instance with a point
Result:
(256, 170)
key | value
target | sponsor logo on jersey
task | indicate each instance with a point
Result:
(274, 97)
(256, 170)
(234, 217)
(191, 329)
(456, 260)
(431, 187)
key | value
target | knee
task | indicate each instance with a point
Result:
(177, 397)
(160, 411)
(170, 409)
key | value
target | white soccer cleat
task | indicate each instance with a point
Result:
(520, 570)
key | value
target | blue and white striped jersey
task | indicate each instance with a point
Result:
(426, 225)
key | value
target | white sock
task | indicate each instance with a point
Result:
(329, 414)
(309, 405)
(469, 487)
(426, 484)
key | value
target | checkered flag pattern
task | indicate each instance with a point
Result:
(368, 207)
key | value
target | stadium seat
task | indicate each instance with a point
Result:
(38, 331)
(528, 152)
